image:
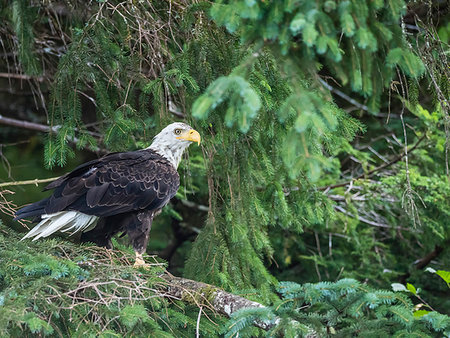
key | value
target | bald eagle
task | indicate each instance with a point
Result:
(120, 192)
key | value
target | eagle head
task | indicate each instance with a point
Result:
(173, 140)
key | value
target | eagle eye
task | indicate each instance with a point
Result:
(177, 131)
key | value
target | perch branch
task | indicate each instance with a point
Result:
(210, 296)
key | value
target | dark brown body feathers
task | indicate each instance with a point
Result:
(123, 189)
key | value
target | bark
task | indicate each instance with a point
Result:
(210, 296)
(421, 263)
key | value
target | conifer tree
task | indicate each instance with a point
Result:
(325, 140)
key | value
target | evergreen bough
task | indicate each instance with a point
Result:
(341, 309)
(275, 139)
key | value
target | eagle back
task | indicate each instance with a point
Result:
(116, 183)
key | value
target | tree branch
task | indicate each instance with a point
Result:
(26, 125)
(424, 261)
(35, 182)
(375, 170)
(22, 77)
(202, 294)
(343, 95)
(44, 128)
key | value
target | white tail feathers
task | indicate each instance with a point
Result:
(64, 221)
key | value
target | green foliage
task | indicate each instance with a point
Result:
(324, 31)
(37, 325)
(130, 315)
(343, 308)
(23, 17)
(55, 287)
(299, 183)
(86, 64)
(243, 106)
(445, 275)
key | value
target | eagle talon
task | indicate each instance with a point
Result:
(140, 263)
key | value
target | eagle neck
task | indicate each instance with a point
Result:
(172, 154)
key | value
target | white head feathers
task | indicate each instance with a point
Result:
(173, 140)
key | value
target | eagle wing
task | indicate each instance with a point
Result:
(115, 184)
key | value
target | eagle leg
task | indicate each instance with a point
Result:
(139, 233)
(139, 261)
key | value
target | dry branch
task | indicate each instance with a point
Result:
(35, 182)
(25, 124)
(22, 77)
(375, 170)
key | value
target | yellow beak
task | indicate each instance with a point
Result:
(190, 135)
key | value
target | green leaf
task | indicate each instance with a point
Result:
(445, 275)
(420, 313)
(411, 288)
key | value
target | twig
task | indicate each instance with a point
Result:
(343, 95)
(35, 182)
(375, 170)
(197, 329)
(376, 224)
(22, 77)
